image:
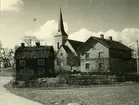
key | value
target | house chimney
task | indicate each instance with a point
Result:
(38, 44)
(22, 44)
(110, 38)
(102, 36)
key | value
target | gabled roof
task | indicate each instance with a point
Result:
(34, 52)
(106, 42)
(112, 44)
(75, 44)
(67, 49)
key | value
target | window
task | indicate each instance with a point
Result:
(22, 71)
(57, 45)
(87, 55)
(61, 54)
(30, 72)
(87, 65)
(22, 62)
(41, 71)
(41, 62)
(100, 54)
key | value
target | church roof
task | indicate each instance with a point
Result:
(67, 49)
(75, 44)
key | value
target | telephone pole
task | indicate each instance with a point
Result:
(137, 58)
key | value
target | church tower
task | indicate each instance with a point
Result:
(61, 36)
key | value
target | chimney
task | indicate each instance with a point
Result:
(110, 38)
(22, 44)
(102, 36)
(38, 44)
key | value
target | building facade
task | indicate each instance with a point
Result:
(97, 54)
(106, 55)
(34, 62)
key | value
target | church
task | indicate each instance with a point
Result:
(97, 54)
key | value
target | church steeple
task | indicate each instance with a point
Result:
(61, 24)
(61, 36)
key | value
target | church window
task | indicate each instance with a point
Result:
(61, 54)
(57, 45)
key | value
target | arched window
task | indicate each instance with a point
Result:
(57, 45)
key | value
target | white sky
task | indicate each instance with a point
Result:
(117, 18)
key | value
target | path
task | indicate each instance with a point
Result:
(7, 98)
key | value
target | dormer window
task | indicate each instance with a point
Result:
(86, 55)
(41, 62)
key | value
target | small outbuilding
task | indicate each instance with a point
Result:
(34, 62)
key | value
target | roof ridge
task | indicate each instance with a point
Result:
(75, 40)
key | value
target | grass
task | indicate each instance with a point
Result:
(125, 94)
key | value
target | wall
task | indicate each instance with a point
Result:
(121, 65)
(57, 39)
(93, 52)
(61, 39)
(114, 53)
(62, 59)
(32, 70)
(94, 65)
(93, 58)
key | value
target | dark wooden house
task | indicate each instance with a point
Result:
(34, 62)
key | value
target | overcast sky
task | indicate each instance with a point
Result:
(83, 18)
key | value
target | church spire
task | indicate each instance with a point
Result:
(61, 24)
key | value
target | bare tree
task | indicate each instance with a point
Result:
(29, 40)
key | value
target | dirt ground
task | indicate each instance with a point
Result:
(127, 94)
